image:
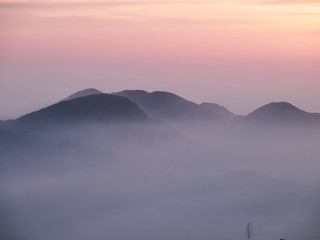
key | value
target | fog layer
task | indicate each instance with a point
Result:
(147, 179)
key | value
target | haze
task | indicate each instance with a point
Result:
(205, 118)
(98, 167)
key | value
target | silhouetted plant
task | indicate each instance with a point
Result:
(249, 231)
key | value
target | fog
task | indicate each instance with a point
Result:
(155, 180)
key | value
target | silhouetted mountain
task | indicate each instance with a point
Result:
(18, 140)
(99, 108)
(97, 120)
(20, 149)
(167, 106)
(282, 113)
(83, 93)
(99, 160)
(217, 110)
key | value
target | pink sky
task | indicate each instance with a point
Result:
(237, 53)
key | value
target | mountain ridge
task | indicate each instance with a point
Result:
(83, 93)
(96, 108)
(283, 113)
(166, 106)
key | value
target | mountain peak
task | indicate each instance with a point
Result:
(169, 107)
(94, 108)
(276, 108)
(283, 112)
(281, 106)
(132, 92)
(83, 93)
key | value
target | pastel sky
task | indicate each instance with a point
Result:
(238, 53)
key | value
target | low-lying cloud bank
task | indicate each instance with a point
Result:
(149, 179)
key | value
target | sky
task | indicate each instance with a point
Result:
(241, 54)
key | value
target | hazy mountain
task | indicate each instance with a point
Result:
(22, 151)
(99, 108)
(217, 110)
(171, 108)
(97, 167)
(20, 140)
(83, 93)
(166, 106)
(282, 113)
(99, 121)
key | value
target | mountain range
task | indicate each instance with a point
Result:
(91, 105)
(97, 108)
(166, 106)
(283, 113)
(117, 165)
(83, 93)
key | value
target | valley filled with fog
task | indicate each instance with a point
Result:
(136, 165)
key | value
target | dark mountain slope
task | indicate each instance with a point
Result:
(20, 140)
(83, 93)
(167, 106)
(21, 149)
(100, 108)
(217, 110)
(282, 113)
(100, 120)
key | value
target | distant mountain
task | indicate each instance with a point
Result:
(104, 120)
(166, 106)
(217, 110)
(19, 140)
(20, 149)
(92, 105)
(282, 113)
(83, 93)
(94, 108)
